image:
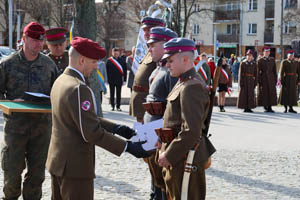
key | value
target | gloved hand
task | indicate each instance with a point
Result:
(136, 149)
(124, 131)
(220, 61)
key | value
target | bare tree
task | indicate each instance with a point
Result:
(135, 8)
(62, 14)
(292, 24)
(111, 22)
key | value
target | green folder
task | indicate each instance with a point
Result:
(9, 107)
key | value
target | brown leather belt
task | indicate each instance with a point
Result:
(138, 88)
(155, 108)
(166, 135)
(248, 74)
(290, 74)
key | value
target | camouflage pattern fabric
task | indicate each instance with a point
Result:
(26, 135)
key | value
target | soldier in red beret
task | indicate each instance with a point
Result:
(290, 79)
(57, 43)
(76, 129)
(26, 135)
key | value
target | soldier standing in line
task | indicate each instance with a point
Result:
(290, 78)
(140, 84)
(247, 82)
(57, 43)
(160, 85)
(267, 79)
(26, 135)
(77, 129)
(184, 118)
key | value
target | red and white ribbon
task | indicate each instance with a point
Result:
(225, 75)
(203, 73)
(116, 64)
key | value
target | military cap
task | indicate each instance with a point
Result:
(178, 45)
(151, 22)
(34, 30)
(56, 35)
(266, 48)
(161, 34)
(250, 52)
(88, 48)
(290, 52)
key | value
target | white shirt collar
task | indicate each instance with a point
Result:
(76, 70)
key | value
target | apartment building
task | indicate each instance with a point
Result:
(242, 25)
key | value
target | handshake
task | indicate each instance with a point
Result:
(134, 148)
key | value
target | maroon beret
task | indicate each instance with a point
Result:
(88, 48)
(266, 48)
(250, 52)
(290, 52)
(34, 30)
(56, 35)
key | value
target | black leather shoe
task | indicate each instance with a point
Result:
(119, 109)
(112, 109)
(292, 111)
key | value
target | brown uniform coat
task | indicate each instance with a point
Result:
(266, 78)
(247, 83)
(61, 61)
(222, 78)
(141, 78)
(289, 77)
(185, 113)
(76, 129)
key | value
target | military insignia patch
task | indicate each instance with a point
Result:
(86, 105)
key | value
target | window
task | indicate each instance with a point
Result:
(290, 3)
(289, 28)
(196, 29)
(229, 29)
(252, 5)
(252, 29)
(197, 7)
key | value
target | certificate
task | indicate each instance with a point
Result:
(146, 132)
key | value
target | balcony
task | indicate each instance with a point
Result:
(269, 37)
(225, 38)
(221, 15)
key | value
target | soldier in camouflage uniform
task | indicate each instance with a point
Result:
(57, 43)
(26, 135)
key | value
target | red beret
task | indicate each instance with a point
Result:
(34, 30)
(88, 48)
(290, 52)
(56, 35)
(250, 52)
(266, 48)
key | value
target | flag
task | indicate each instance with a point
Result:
(71, 32)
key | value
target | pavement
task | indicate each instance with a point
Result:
(258, 157)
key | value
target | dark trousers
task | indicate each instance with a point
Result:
(25, 141)
(113, 88)
(71, 188)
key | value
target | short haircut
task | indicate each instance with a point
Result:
(73, 53)
(189, 54)
(203, 54)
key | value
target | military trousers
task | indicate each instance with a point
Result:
(71, 188)
(26, 142)
(197, 185)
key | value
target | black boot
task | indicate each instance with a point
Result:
(285, 109)
(291, 110)
(266, 108)
(270, 109)
(222, 109)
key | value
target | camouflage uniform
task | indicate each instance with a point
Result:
(26, 135)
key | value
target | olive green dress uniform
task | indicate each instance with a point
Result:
(71, 156)
(185, 113)
(61, 61)
(267, 79)
(290, 77)
(207, 72)
(140, 88)
(26, 135)
(247, 82)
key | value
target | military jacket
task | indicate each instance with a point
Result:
(17, 75)
(76, 129)
(61, 61)
(141, 78)
(267, 79)
(247, 83)
(185, 114)
(160, 85)
(289, 77)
